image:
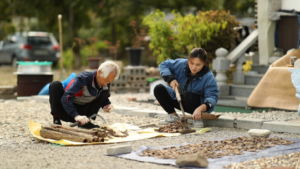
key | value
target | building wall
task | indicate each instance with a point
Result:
(290, 4)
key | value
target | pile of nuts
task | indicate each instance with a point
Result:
(217, 149)
(170, 128)
(289, 160)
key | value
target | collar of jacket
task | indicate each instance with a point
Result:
(199, 75)
(94, 82)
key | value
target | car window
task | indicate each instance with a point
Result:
(38, 40)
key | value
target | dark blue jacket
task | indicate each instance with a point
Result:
(81, 90)
(205, 86)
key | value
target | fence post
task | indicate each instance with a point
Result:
(221, 65)
(239, 75)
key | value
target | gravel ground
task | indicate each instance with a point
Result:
(20, 150)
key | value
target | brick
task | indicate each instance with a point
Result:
(139, 85)
(117, 150)
(116, 84)
(223, 121)
(135, 70)
(137, 78)
(249, 123)
(122, 78)
(282, 126)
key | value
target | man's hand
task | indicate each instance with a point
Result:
(197, 114)
(82, 119)
(109, 108)
(174, 84)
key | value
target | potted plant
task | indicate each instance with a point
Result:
(135, 52)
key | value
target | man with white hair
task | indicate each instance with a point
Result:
(84, 95)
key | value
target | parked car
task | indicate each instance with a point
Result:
(29, 46)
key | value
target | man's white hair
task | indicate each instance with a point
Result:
(109, 66)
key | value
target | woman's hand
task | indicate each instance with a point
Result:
(197, 114)
(174, 84)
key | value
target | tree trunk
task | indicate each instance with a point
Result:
(76, 48)
(113, 39)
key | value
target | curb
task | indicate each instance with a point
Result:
(282, 126)
(249, 123)
(223, 121)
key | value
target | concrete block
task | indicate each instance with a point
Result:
(22, 98)
(241, 90)
(122, 78)
(41, 98)
(135, 70)
(123, 110)
(239, 77)
(253, 79)
(224, 90)
(249, 123)
(282, 126)
(139, 85)
(147, 113)
(261, 69)
(117, 84)
(223, 121)
(118, 150)
(137, 78)
(221, 64)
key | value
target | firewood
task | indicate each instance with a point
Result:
(58, 136)
(101, 134)
(185, 131)
(205, 116)
(87, 137)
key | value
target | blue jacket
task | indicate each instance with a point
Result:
(81, 90)
(205, 86)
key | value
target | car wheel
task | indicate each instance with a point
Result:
(14, 62)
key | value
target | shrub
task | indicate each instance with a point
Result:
(173, 39)
(86, 51)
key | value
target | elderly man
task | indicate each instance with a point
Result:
(84, 95)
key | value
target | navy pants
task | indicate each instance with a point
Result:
(190, 101)
(56, 91)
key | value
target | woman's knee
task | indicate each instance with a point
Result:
(158, 89)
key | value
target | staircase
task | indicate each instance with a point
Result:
(239, 93)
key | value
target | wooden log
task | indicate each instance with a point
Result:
(209, 116)
(206, 116)
(146, 125)
(185, 131)
(88, 137)
(73, 129)
(58, 136)
(95, 132)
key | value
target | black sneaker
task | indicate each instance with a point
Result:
(57, 121)
(89, 125)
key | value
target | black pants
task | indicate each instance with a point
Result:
(190, 101)
(56, 91)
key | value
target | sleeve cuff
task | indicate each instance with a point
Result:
(169, 78)
(208, 105)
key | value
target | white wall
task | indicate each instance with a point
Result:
(290, 4)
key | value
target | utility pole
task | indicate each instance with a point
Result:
(61, 47)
